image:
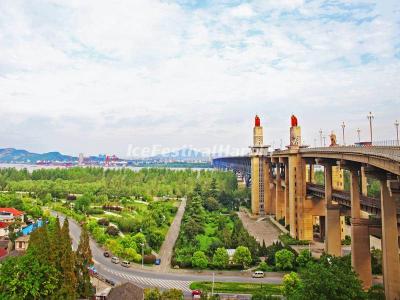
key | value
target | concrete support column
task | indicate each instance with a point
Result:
(267, 187)
(390, 246)
(364, 182)
(279, 195)
(312, 174)
(360, 245)
(333, 242)
(287, 212)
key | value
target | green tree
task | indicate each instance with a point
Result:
(199, 260)
(292, 286)
(68, 285)
(152, 294)
(242, 256)
(221, 258)
(284, 260)
(303, 258)
(172, 294)
(82, 263)
(332, 278)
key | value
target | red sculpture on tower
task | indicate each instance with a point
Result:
(257, 122)
(293, 120)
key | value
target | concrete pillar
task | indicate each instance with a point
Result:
(267, 187)
(364, 182)
(360, 245)
(390, 246)
(312, 174)
(333, 242)
(287, 214)
(279, 194)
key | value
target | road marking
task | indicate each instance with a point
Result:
(152, 282)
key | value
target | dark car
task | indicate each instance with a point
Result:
(106, 254)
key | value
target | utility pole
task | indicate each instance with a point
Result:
(396, 124)
(358, 134)
(343, 127)
(370, 117)
(320, 136)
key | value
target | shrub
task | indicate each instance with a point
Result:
(288, 240)
(284, 260)
(263, 266)
(112, 230)
(95, 211)
(103, 222)
(199, 260)
(303, 258)
(347, 240)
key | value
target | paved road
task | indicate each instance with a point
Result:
(151, 278)
(169, 242)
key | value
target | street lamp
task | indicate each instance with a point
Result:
(142, 244)
(370, 117)
(358, 134)
(343, 127)
(320, 136)
(396, 124)
(324, 137)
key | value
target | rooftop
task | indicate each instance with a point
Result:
(11, 210)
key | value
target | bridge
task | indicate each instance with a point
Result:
(283, 184)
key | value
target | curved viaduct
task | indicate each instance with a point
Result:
(282, 184)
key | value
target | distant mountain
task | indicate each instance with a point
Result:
(23, 156)
(185, 154)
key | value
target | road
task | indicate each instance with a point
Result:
(173, 232)
(151, 278)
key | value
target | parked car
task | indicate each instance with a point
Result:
(126, 264)
(106, 254)
(258, 274)
(115, 260)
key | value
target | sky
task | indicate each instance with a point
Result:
(105, 76)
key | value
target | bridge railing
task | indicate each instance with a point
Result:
(392, 153)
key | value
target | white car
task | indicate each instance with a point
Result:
(115, 260)
(258, 274)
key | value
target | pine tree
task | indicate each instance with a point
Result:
(83, 261)
(68, 281)
(55, 244)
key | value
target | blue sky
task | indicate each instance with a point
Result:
(96, 76)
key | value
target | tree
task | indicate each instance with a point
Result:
(152, 294)
(112, 230)
(292, 286)
(211, 204)
(303, 258)
(242, 256)
(199, 260)
(284, 260)
(221, 258)
(263, 266)
(83, 261)
(331, 278)
(69, 283)
(83, 202)
(172, 294)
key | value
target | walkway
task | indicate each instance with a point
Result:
(167, 247)
(260, 229)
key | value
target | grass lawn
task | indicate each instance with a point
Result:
(236, 287)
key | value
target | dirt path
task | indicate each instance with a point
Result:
(260, 229)
(169, 242)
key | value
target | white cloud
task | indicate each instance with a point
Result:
(150, 72)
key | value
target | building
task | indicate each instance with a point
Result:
(126, 290)
(4, 229)
(21, 243)
(9, 214)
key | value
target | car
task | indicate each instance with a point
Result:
(258, 274)
(115, 260)
(126, 264)
(106, 254)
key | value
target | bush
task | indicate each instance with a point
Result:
(103, 222)
(347, 240)
(112, 230)
(303, 258)
(149, 259)
(376, 292)
(199, 260)
(288, 240)
(263, 266)
(95, 211)
(376, 261)
(284, 260)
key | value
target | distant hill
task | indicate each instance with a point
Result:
(185, 154)
(22, 156)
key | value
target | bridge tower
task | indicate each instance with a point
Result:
(260, 171)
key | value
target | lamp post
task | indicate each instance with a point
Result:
(396, 124)
(320, 136)
(343, 127)
(358, 134)
(142, 244)
(370, 117)
(324, 137)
